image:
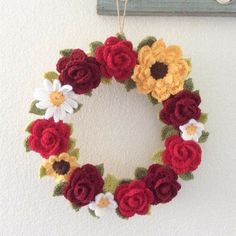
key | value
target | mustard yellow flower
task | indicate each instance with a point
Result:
(161, 70)
(60, 166)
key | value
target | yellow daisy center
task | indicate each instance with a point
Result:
(103, 203)
(159, 70)
(191, 129)
(57, 98)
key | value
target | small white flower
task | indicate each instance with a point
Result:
(57, 100)
(192, 130)
(104, 204)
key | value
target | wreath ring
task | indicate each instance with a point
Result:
(154, 69)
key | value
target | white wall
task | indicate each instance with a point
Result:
(114, 127)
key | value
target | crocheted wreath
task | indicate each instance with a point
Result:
(159, 71)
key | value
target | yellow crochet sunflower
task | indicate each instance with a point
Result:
(161, 70)
(60, 166)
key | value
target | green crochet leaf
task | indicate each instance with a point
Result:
(157, 157)
(72, 143)
(92, 213)
(204, 137)
(35, 110)
(93, 46)
(130, 84)
(120, 36)
(76, 208)
(168, 131)
(75, 153)
(78, 108)
(88, 94)
(203, 118)
(100, 169)
(110, 183)
(147, 41)
(42, 172)
(189, 61)
(152, 99)
(197, 92)
(58, 190)
(188, 85)
(125, 181)
(66, 52)
(140, 172)
(106, 81)
(186, 176)
(27, 129)
(122, 217)
(26, 145)
(51, 75)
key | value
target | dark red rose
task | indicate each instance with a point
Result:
(133, 197)
(80, 71)
(179, 109)
(84, 184)
(49, 138)
(182, 156)
(162, 181)
(117, 58)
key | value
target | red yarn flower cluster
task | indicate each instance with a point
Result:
(84, 184)
(49, 138)
(80, 71)
(117, 58)
(180, 108)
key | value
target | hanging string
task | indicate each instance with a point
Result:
(121, 20)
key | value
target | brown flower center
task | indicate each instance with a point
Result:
(61, 167)
(103, 203)
(57, 98)
(159, 70)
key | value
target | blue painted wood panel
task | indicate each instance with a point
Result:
(169, 7)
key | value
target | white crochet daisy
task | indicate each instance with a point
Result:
(104, 204)
(192, 130)
(57, 100)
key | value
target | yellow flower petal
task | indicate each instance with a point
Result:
(158, 47)
(173, 53)
(145, 57)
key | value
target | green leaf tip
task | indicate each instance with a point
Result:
(75, 153)
(188, 85)
(58, 190)
(140, 172)
(130, 84)
(26, 145)
(94, 45)
(168, 131)
(35, 110)
(148, 41)
(186, 176)
(110, 183)
(100, 168)
(203, 118)
(51, 75)
(204, 137)
(157, 157)
(42, 172)
(66, 52)
(152, 99)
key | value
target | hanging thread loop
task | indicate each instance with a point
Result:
(121, 19)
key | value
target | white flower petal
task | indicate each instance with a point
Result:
(49, 112)
(92, 206)
(63, 114)
(67, 108)
(66, 88)
(185, 136)
(99, 197)
(47, 85)
(113, 205)
(56, 85)
(72, 103)
(72, 95)
(41, 94)
(56, 115)
(99, 212)
(109, 196)
(43, 104)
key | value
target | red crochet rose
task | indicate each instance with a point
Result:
(49, 138)
(133, 197)
(84, 184)
(117, 58)
(179, 109)
(162, 181)
(182, 156)
(80, 71)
